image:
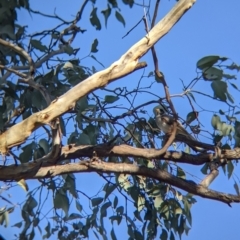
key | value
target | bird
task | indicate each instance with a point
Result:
(165, 123)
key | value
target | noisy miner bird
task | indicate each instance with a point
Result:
(165, 123)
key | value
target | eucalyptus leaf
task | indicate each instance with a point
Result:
(96, 201)
(106, 13)
(43, 143)
(120, 18)
(94, 46)
(212, 74)
(38, 45)
(111, 98)
(207, 62)
(61, 201)
(220, 90)
(94, 19)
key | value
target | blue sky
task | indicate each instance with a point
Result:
(209, 28)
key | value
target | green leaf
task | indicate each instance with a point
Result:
(70, 185)
(229, 77)
(78, 206)
(26, 114)
(62, 126)
(94, 19)
(109, 188)
(104, 208)
(140, 203)
(68, 49)
(38, 101)
(220, 90)
(236, 187)
(128, 2)
(36, 221)
(26, 155)
(113, 236)
(106, 13)
(48, 231)
(73, 216)
(115, 202)
(5, 218)
(120, 210)
(38, 45)
(113, 3)
(204, 169)
(30, 205)
(61, 201)
(137, 215)
(120, 18)
(82, 104)
(230, 97)
(32, 235)
(212, 73)
(43, 143)
(230, 168)
(172, 236)
(181, 173)
(191, 117)
(93, 57)
(96, 201)
(130, 231)
(94, 46)
(9, 30)
(111, 99)
(192, 96)
(215, 121)
(19, 224)
(116, 218)
(234, 86)
(84, 139)
(138, 235)
(207, 62)
(164, 235)
(221, 112)
(72, 138)
(22, 183)
(158, 201)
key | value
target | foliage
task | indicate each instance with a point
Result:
(104, 117)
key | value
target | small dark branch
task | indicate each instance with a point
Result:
(79, 14)
(38, 64)
(192, 143)
(155, 13)
(21, 52)
(130, 112)
(22, 75)
(159, 75)
(55, 16)
(133, 27)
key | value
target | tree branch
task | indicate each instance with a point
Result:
(104, 167)
(13, 172)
